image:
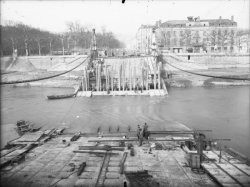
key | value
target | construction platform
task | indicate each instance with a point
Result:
(52, 158)
(160, 92)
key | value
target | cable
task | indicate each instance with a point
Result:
(206, 75)
(49, 77)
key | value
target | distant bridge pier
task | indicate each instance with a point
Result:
(124, 76)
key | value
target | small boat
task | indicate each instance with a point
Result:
(61, 96)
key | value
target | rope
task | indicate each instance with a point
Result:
(206, 75)
(49, 77)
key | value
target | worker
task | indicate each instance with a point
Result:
(138, 131)
(145, 131)
(141, 137)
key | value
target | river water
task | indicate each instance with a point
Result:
(225, 111)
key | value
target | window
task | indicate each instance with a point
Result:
(225, 48)
(212, 48)
(204, 25)
(231, 48)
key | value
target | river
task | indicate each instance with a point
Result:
(225, 111)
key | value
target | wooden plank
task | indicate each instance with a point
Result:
(122, 162)
(219, 175)
(240, 177)
(4, 152)
(106, 148)
(135, 139)
(30, 137)
(93, 152)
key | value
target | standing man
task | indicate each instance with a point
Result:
(145, 131)
(141, 137)
(138, 131)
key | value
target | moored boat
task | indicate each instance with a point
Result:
(61, 96)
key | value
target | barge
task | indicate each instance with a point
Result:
(56, 158)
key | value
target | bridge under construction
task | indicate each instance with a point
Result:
(123, 75)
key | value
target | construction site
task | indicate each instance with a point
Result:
(122, 76)
(173, 156)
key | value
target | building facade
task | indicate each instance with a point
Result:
(144, 38)
(191, 35)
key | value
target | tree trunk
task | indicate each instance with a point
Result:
(26, 48)
(13, 47)
(62, 46)
(39, 48)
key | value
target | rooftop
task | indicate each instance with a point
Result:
(197, 21)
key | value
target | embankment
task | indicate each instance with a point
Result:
(47, 63)
(212, 64)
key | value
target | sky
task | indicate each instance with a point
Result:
(122, 19)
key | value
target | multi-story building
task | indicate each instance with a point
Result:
(192, 35)
(143, 38)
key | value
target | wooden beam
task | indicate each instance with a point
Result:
(119, 77)
(96, 77)
(159, 76)
(106, 148)
(122, 162)
(112, 79)
(130, 77)
(94, 152)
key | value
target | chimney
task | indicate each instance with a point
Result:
(220, 18)
(232, 18)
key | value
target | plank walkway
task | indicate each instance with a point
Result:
(228, 171)
(55, 163)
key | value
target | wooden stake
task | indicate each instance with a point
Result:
(96, 71)
(155, 75)
(112, 79)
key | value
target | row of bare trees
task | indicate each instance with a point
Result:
(32, 41)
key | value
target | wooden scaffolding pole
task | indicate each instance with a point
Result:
(155, 76)
(130, 77)
(134, 77)
(96, 77)
(112, 79)
(119, 77)
(100, 77)
(88, 83)
(147, 75)
(159, 76)
(123, 76)
(106, 78)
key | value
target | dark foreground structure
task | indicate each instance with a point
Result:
(179, 157)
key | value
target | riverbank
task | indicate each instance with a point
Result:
(178, 79)
(184, 80)
(38, 67)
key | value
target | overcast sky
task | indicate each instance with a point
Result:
(121, 19)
